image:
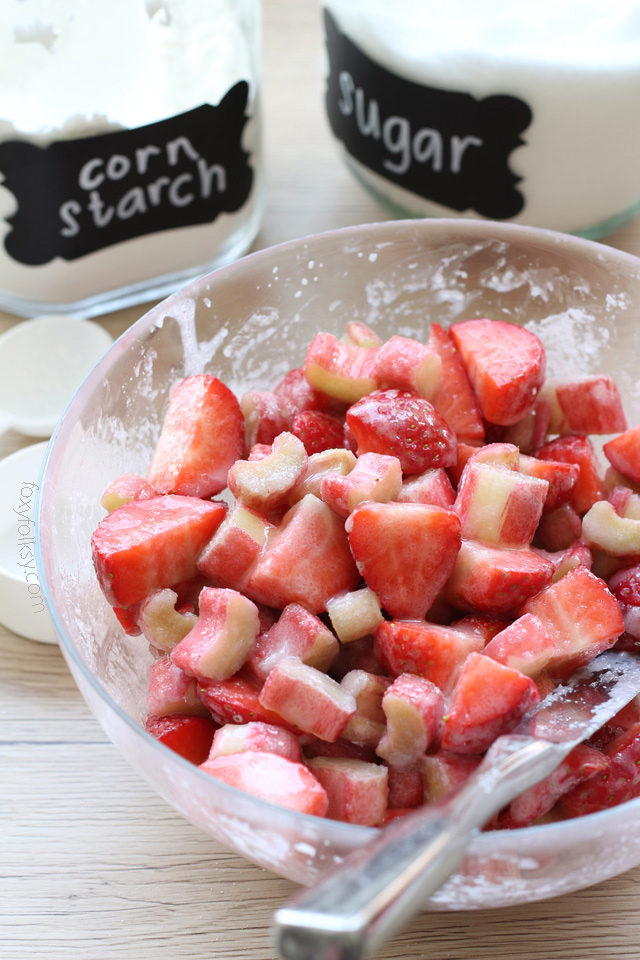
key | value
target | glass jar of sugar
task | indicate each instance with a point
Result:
(130, 157)
(528, 113)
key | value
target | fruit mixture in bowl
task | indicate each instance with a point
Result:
(417, 543)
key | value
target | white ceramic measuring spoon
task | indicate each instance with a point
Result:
(42, 361)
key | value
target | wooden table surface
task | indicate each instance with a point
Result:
(93, 865)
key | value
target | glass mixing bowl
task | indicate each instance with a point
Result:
(248, 323)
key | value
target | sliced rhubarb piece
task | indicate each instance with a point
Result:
(428, 650)
(414, 708)
(357, 790)
(259, 736)
(375, 476)
(338, 369)
(623, 453)
(603, 527)
(368, 723)
(297, 633)
(126, 488)
(433, 486)
(202, 436)
(444, 772)
(405, 552)
(581, 615)
(220, 642)
(455, 400)
(588, 405)
(170, 690)
(354, 615)
(361, 335)
(488, 701)
(505, 365)
(306, 560)
(403, 425)
(162, 625)
(229, 557)
(581, 765)
(406, 364)
(320, 465)
(273, 778)
(523, 645)
(589, 486)
(499, 507)
(578, 554)
(406, 787)
(147, 545)
(264, 485)
(297, 394)
(495, 580)
(307, 698)
(189, 736)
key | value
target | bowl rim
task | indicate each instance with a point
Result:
(468, 228)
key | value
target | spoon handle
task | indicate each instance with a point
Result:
(381, 885)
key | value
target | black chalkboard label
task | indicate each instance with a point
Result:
(443, 145)
(78, 196)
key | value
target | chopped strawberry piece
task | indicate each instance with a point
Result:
(443, 772)
(406, 787)
(402, 425)
(619, 782)
(591, 405)
(273, 778)
(265, 416)
(524, 645)
(236, 701)
(530, 432)
(146, 545)
(297, 633)
(202, 436)
(374, 477)
(405, 552)
(485, 627)
(581, 615)
(505, 365)
(128, 619)
(297, 394)
(578, 554)
(170, 690)
(559, 529)
(306, 559)
(428, 650)
(561, 477)
(433, 486)
(318, 431)
(494, 580)
(455, 400)
(191, 737)
(489, 700)
(589, 486)
(581, 765)
(230, 556)
(357, 790)
(623, 453)
(625, 587)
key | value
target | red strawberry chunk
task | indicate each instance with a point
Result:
(443, 772)
(407, 365)
(625, 587)
(455, 400)
(202, 436)
(146, 545)
(581, 765)
(581, 615)
(494, 580)
(428, 650)
(524, 645)
(318, 431)
(191, 737)
(265, 416)
(505, 364)
(530, 432)
(619, 782)
(273, 778)
(357, 790)
(406, 787)
(589, 486)
(170, 690)
(560, 528)
(125, 488)
(297, 394)
(623, 453)
(403, 425)
(405, 552)
(561, 477)
(236, 701)
(489, 700)
(374, 477)
(297, 633)
(433, 486)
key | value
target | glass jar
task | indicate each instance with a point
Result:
(130, 148)
(527, 113)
